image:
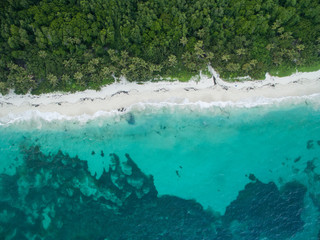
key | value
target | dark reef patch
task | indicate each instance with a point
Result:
(266, 211)
(310, 166)
(55, 197)
(297, 159)
(310, 144)
(130, 118)
(252, 177)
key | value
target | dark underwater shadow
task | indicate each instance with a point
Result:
(55, 197)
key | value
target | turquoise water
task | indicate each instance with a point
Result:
(217, 173)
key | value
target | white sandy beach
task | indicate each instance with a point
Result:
(123, 94)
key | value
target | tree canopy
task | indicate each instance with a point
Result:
(48, 45)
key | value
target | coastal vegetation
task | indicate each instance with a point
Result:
(70, 45)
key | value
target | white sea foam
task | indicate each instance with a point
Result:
(156, 107)
(248, 103)
(35, 116)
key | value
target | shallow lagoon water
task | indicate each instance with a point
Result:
(217, 156)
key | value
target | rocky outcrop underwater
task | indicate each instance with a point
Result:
(56, 197)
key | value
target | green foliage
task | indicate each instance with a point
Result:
(53, 80)
(3, 88)
(73, 45)
(19, 79)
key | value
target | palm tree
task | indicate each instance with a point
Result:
(184, 41)
(225, 57)
(65, 79)
(300, 47)
(270, 46)
(53, 80)
(240, 51)
(172, 60)
(247, 67)
(78, 76)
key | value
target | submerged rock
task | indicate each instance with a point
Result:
(252, 177)
(55, 197)
(310, 144)
(265, 210)
(310, 166)
(297, 159)
(130, 118)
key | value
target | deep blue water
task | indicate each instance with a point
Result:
(178, 172)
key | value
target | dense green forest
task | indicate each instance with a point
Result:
(48, 45)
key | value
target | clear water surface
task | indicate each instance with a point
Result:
(164, 172)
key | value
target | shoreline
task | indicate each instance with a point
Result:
(120, 96)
